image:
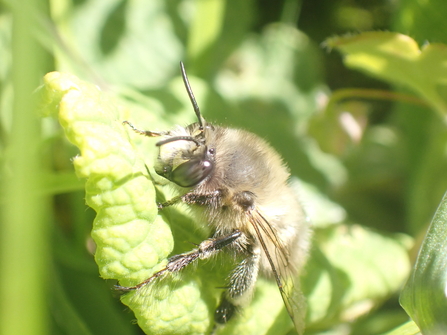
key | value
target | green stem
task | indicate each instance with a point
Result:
(363, 93)
(24, 234)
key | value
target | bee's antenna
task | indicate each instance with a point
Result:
(191, 95)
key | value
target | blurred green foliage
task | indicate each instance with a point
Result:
(258, 65)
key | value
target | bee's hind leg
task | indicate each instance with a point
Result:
(240, 288)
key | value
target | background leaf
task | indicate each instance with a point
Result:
(350, 270)
(408, 328)
(424, 295)
(397, 59)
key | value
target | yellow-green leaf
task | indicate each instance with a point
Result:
(397, 59)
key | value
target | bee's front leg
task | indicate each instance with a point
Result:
(212, 199)
(147, 133)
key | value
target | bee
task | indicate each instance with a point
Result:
(238, 185)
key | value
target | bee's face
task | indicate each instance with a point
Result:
(184, 157)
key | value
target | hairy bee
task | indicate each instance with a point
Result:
(238, 184)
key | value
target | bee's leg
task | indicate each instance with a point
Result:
(203, 199)
(240, 289)
(169, 202)
(147, 133)
(205, 250)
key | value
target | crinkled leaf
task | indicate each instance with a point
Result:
(131, 239)
(398, 59)
(424, 296)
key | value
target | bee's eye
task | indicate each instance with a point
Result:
(192, 172)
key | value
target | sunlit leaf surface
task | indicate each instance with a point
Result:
(398, 59)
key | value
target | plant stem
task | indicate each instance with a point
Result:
(24, 241)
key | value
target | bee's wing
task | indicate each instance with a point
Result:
(286, 278)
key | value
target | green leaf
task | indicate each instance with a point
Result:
(421, 20)
(209, 14)
(397, 59)
(131, 239)
(424, 296)
(117, 186)
(271, 87)
(351, 270)
(142, 31)
(408, 328)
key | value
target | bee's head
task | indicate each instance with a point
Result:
(184, 157)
